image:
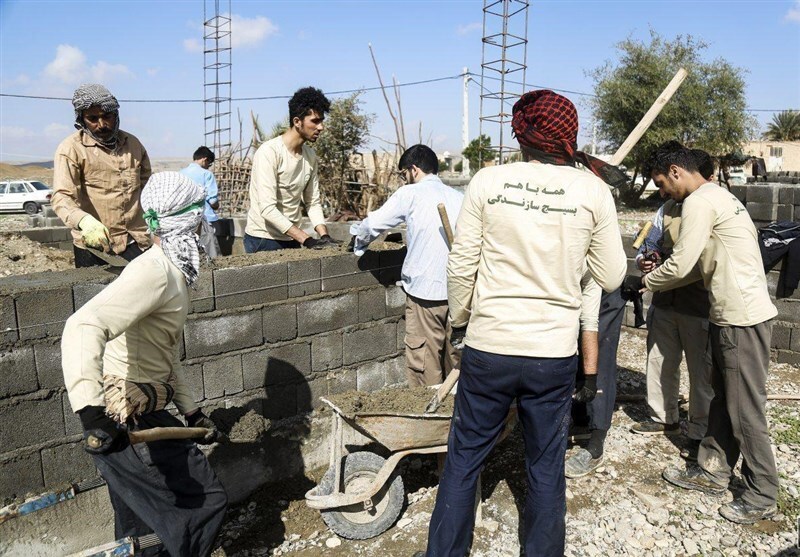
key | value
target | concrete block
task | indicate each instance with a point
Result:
(763, 193)
(794, 342)
(48, 365)
(304, 278)
(202, 295)
(280, 322)
(35, 421)
(53, 221)
(327, 314)
(342, 381)
(72, 424)
(762, 211)
(371, 377)
(82, 293)
(788, 357)
(786, 194)
(370, 343)
(371, 304)
(308, 395)
(785, 212)
(64, 246)
(193, 375)
(395, 301)
(222, 377)
(740, 192)
(62, 234)
(42, 313)
(40, 235)
(67, 463)
(280, 401)
(781, 337)
(288, 364)
(17, 372)
(35, 221)
(8, 320)
(22, 476)
(247, 286)
(223, 333)
(347, 271)
(47, 211)
(401, 334)
(395, 371)
(788, 310)
(238, 225)
(391, 263)
(326, 352)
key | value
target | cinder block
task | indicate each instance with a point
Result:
(72, 424)
(308, 394)
(41, 235)
(794, 342)
(35, 221)
(67, 463)
(788, 310)
(370, 343)
(788, 357)
(193, 375)
(781, 337)
(247, 286)
(786, 194)
(326, 352)
(47, 211)
(222, 377)
(62, 234)
(280, 401)
(395, 301)
(395, 371)
(17, 373)
(22, 476)
(304, 278)
(280, 322)
(371, 377)
(785, 212)
(223, 333)
(347, 271)
(391, 263)
(763, 193)
(53, 222)
(35, 421)
(282, 365)
(371, 304)
(740, 192)
(202, 295)
(401, 334)
(48, 365)
(342, 381)
(762, 211)
(327, 314)
(8, 320)
(42, 313)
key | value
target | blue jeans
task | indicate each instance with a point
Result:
(253, 244)
(488, 385)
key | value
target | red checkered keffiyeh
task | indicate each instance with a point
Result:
(547, 122)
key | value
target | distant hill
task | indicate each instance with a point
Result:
(27, 171)
(45, 164)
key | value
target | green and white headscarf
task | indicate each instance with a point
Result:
(173, 208)
(94, 94)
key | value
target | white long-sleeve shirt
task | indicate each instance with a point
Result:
(424, 273)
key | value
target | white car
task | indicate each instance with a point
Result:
(24, 195)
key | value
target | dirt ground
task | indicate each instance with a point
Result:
(19, 256)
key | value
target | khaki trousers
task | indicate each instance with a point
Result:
(670, 335)
(429, 354)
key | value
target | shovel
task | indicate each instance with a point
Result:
(442, 392)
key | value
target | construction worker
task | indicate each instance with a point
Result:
(121, 369)
(525, 234)
(718, 243)
(285, 179)
(429, 355)
(98, 175)
(199, 171)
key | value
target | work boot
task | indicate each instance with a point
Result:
(654, 428)
(694, 478)
(578, 432)
(690, 451)
(581, 463)
(741, 512)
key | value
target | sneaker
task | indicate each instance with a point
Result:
(694, 478)
(581, 463)
(741, 512)
(690, 451)
(654, 428)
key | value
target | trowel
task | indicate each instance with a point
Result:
(111, 258)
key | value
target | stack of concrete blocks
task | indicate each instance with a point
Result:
(266, 335)
(46, 218)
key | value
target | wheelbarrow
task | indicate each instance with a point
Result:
(362, 494)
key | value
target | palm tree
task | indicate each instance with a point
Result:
(785, 126)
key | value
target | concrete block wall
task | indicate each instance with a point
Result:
(266, 333)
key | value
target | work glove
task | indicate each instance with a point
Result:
(94, 233)
(589, 389)
(313, 243)
(330, 240)
(457, 337)
(101, 434)
(198, 419)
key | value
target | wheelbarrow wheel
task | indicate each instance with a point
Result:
(354, 521)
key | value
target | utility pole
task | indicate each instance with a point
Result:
(465, 126)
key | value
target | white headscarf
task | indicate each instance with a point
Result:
(173, 208)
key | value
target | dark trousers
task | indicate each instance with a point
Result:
(597, 414)
(488, 385)
(252, 244)
(85, 258)
(737, 422)
(166, 487)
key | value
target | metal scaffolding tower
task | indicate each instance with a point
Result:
(504, 52)
(217, 75)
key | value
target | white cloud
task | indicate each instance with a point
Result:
(71, 67)
(57, 131)
(468, 28)
(192, 45)
(16, 133)
(793, 14)
(152, 72)
(249, 32)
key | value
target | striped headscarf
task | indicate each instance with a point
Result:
(94, 94)
(173, 208)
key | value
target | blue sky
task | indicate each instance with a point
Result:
(148, 49)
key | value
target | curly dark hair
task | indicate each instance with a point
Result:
(705, 164)
(305, 100)
(667, 154)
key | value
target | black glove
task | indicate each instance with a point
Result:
(330, 240)
(101, 434)
(588, 391)
(457, 337)
(198, 419)
(313, 243)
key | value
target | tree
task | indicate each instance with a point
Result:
(785, 126)
(479, 149)
(707, 112)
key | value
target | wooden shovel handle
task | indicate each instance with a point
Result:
(162, 433)
(448, 230)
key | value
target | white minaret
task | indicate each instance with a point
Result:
(465, 125)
